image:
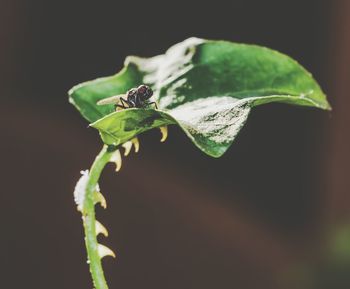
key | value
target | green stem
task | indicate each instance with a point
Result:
(89, 219)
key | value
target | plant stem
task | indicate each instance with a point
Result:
(89, 219)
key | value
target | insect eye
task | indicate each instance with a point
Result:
(142, 89)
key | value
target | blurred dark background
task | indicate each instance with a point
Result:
(251, 219)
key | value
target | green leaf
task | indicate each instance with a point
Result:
(206, 87)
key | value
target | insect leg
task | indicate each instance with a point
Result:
(121, 106)
(153, 102)
(124, 101)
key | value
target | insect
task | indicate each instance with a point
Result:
(135, 97)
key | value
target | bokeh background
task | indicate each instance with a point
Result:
(259, 217)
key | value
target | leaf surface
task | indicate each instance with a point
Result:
(206, 87)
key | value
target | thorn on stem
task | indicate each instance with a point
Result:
(164, 132)
(136, 144)
(117, 159)
(99, 198)
(100, 229)
(127, 146)
(104, 251)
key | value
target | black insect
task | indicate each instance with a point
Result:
(135, 97)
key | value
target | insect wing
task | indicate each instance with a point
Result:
(111, 100)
